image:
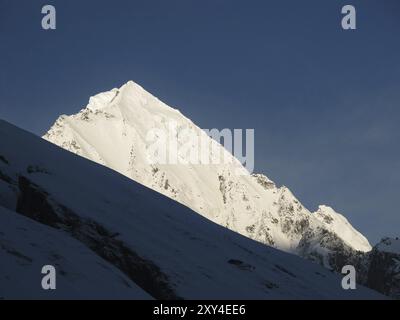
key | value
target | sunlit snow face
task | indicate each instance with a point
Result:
(185, 145)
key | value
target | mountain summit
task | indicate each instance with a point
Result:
(113, 130)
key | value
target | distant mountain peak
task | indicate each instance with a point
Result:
(112, 130)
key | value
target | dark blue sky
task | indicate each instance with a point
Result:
(325, 103)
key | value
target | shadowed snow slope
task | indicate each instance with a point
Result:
(106, 233)
(26, 246)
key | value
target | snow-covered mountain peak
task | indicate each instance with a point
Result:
(130, 100)
(113, 130)
(135, 95)
(102, 100)
(338, 224)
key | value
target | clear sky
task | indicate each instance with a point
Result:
(325, 103)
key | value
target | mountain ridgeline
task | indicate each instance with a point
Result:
(112, 130)
(110, 237)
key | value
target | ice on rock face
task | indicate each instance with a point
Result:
(251, 205)
(264, 181)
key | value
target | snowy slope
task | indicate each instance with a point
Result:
(165, 248)
(26, 246)
(112, 131)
